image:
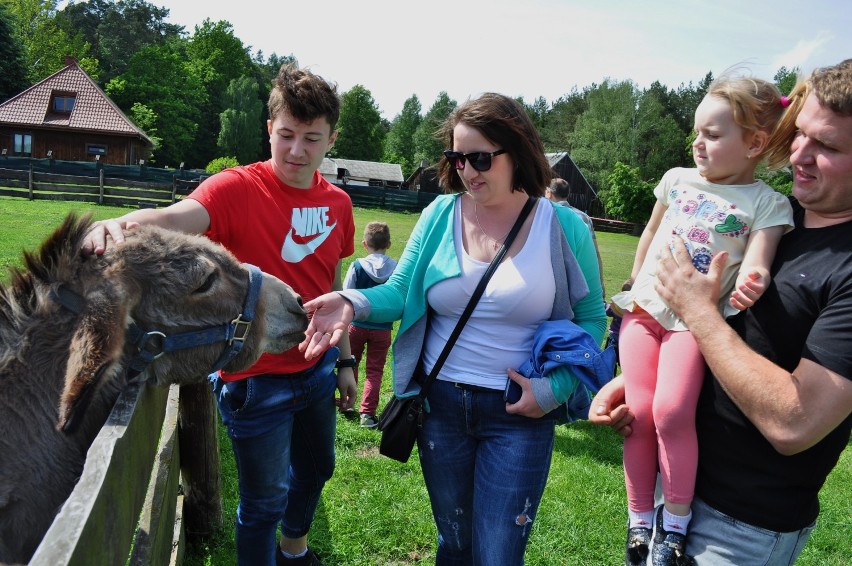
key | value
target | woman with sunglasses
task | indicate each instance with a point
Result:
(485, 461)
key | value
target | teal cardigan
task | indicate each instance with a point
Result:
(430, 257)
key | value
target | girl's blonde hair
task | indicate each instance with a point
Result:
(832, 87)
(758, 106)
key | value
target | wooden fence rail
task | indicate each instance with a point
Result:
(389, 199)
(97, 190)
(147, 194)
(97, 523)
(128, 506)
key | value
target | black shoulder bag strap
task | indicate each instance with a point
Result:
(474, 298)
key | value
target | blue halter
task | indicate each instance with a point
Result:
(152, 344)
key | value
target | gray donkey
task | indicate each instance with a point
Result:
(74, 329)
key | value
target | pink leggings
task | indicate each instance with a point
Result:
(663, 372)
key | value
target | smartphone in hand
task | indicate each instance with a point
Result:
(512, 392)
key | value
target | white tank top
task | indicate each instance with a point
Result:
(499, 333)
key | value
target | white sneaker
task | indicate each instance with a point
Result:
(369, 421)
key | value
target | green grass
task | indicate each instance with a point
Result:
(375, 511)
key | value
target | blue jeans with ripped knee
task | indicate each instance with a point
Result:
(282, 430)
(485, 471)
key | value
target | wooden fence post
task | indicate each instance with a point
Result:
(100, 186)
(30, 182)
(199, 461)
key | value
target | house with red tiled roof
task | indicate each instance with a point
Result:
(67, 116)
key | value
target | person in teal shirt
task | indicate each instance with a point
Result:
(485, 462)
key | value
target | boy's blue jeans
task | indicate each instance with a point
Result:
(485, 471)
(282, 430)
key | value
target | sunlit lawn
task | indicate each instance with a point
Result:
(375, 511)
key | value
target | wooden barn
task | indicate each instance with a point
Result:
(424, 179)
(354, 173)
(67, 116)
(581, 194)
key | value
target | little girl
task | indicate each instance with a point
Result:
(716, 206)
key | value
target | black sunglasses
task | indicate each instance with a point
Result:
(479, 160)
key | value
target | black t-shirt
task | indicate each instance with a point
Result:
(805, 313)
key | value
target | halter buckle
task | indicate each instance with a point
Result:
(240, 329)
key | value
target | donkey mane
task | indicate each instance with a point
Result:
(27, 293)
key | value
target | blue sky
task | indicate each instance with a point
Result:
(529, 48)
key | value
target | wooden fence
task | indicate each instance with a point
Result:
(101, 190)
(617, 226)
(396, 200)
(128, 480)
(151, 194)
(130, 504)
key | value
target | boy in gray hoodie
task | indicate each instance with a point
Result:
(364, 273)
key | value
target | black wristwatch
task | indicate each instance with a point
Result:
(349, 362)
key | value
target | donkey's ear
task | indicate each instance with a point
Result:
(95, 350)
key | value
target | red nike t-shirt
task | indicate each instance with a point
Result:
(298, 235)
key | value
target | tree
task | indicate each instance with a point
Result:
(622, 125)
(659, 140)
(238, 135)
(683, 102)
(46, 44)
(399, 143)
(159, 77)
(604, 133)
(217, 57)
(427, 146)
(786, 79)
(562, 118)
(630, 198)
(361, 133)
(537, 111)
(146, 119)
(116, 30)
(13, 70)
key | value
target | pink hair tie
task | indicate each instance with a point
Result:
(785, 102)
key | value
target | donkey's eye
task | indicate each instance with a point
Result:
(208, 283)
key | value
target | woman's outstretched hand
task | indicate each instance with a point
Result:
(330, 316)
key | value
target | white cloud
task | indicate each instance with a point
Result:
(805, 51)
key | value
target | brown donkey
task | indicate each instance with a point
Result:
(74, 329)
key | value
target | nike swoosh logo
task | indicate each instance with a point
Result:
(293, 252)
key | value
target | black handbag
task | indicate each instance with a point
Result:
(402, 417)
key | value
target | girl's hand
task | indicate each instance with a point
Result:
(347, 387)
(608, 408)
(750, 287)
(330, 316)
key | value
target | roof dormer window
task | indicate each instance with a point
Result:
(63, 103)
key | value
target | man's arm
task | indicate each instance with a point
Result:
(794, 410)
(187, 215)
